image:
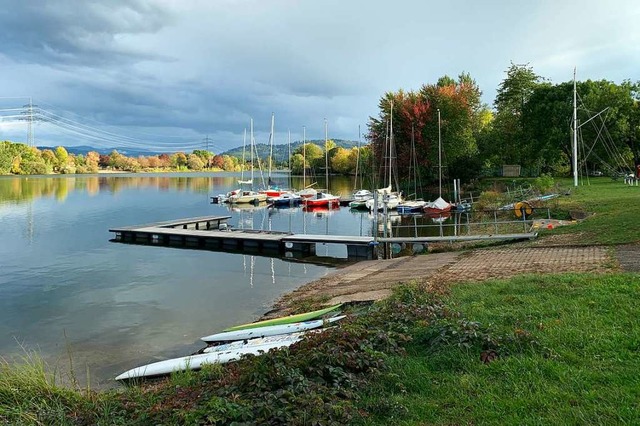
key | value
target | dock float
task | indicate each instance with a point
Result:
(214, 233)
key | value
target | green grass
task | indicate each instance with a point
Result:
(578, 363)
(614, 210)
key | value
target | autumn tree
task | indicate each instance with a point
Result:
(194, 162)
(341, 161)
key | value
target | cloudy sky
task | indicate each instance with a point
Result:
(165, 74)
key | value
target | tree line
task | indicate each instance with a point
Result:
(21, 159)
(529, 125)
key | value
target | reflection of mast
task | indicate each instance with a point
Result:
(273, 272)
(253, 263)
(30, 222)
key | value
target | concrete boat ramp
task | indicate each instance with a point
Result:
(214, 233)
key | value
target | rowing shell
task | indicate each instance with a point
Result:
(270, 330)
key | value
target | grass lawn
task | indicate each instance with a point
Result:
(613, 208)
(576, 360)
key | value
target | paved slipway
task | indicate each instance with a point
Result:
(375, 279)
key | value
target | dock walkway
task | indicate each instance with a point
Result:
(213, 233)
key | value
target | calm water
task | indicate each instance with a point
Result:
(67, 291)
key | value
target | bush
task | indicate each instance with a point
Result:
(543, 183)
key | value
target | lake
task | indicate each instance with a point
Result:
(67, 292)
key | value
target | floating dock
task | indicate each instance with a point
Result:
(214, 233)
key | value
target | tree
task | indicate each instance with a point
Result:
(510, 144)
(415, 123)
(179, 160)
(92, 161)
(194, 162)
(204, 155)
(341, 161)
(61, 158)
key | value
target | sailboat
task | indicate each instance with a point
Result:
(385, 196)
(286, 198)
(323, 199)
(360, 196)
(417, 204)
(439, 206)
(306, 191)
(244, 196)
(272, 189)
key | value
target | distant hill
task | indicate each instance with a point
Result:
(281, 152)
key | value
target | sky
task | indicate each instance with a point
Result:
(166, 75)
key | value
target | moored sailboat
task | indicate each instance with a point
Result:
(244, 196)
(323, 199)
(438, 206)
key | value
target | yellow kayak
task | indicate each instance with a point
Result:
(285, 320)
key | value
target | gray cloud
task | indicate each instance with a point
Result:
(65, 32)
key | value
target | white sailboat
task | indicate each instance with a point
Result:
(306, 191)
(244, 196)
(386, 196)
(323, 199)
(360, 196)
(416, 204)
(439, 206)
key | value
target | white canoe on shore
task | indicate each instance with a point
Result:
(271, 330)
(195, 362)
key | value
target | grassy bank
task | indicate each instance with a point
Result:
(532, 350)
(611, 208)
(568, 352)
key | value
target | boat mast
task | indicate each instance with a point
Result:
(326, 156)
(271, 136)
(244, 162)
(289, 147)
(289, 158)
(439, 157)
(251, 144)
(575, 131)
(390, 141)
(355, 184)
(304, 157)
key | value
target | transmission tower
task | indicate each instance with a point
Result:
(206, 141)
(29, 117)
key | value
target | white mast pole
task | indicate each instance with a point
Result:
(391, 142)
(575, 131)
(326, 155)
(251, 144)
(304, 157)
(244, 162)
(439, 157)
(271, 137)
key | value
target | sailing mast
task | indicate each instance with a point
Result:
(355, 184)
(251, 144)
(304, 157)
(390, 142)
(244, 162)
(326, 155)
(271, 137)
(575, 131)
(439, 157)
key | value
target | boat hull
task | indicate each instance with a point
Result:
(285, 320)
(273, 330)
